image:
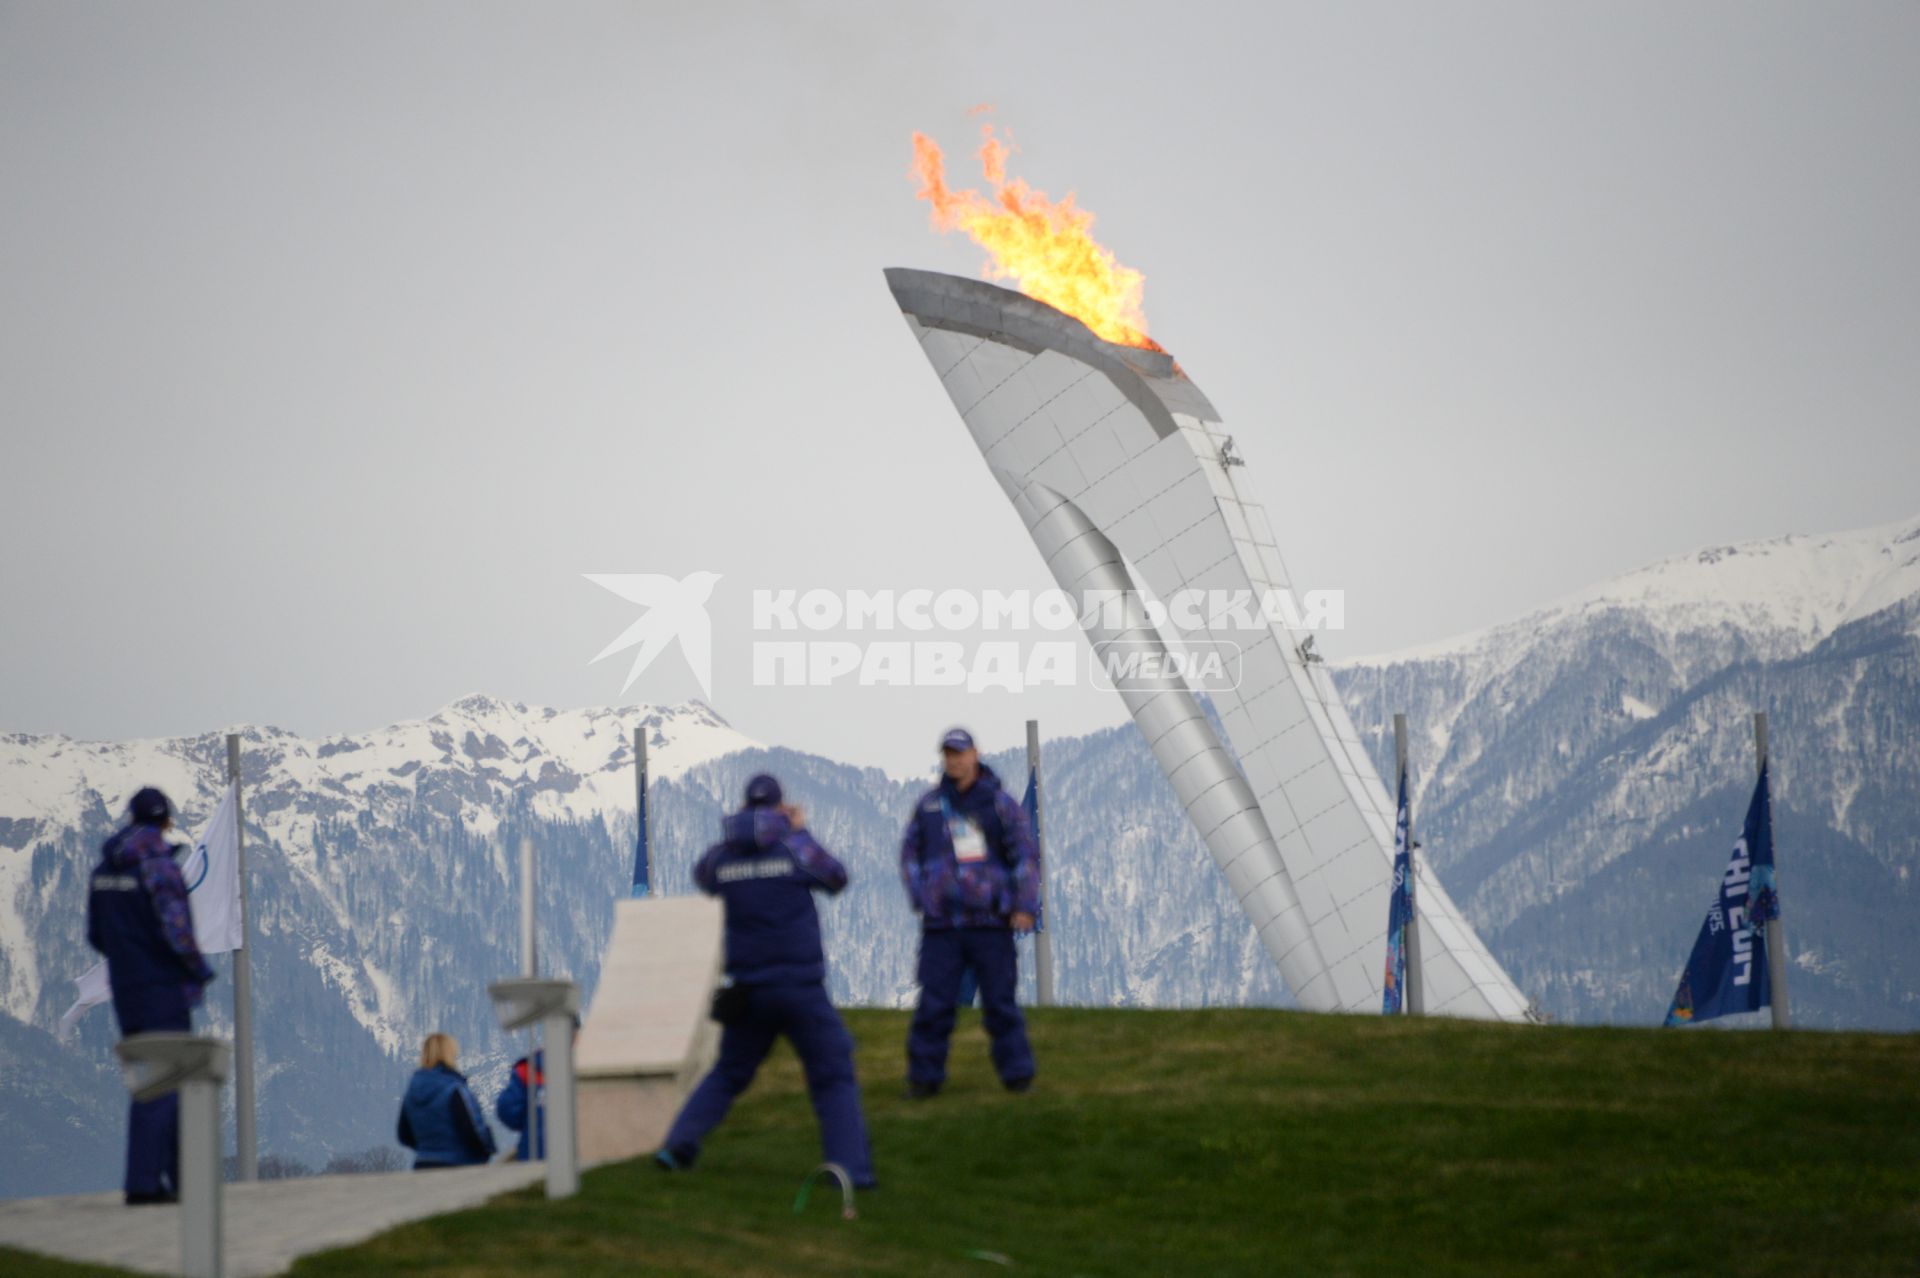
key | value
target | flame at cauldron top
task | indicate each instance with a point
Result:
(1045, 247)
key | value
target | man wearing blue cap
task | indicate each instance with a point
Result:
(973, 876)
(765, 871)
(137, 916)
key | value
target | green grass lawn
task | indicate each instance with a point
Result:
(1252, 1142)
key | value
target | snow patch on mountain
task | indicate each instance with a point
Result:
(467, 761)
(1692, 616)
(1793, 590)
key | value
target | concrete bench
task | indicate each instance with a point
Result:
(647, 1038)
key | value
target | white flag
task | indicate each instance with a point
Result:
(212, 872)
(93, 992)
(211, 869)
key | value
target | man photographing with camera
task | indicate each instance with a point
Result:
(765, 871)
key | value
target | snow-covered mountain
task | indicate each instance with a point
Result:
(383, 876)
(1581, 773)
(1777, 597)
(473, 762)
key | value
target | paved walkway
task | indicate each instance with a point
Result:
(269, 1224)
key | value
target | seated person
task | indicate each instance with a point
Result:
(439, 1118)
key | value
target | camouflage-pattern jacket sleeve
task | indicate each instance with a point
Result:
(912, 872)
(168, 891)
(1023, 857)
(816, 861)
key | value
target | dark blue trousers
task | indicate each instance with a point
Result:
(153, 1127)
(946, 953)
(803, 1014)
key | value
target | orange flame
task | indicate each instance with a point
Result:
(1046, 247)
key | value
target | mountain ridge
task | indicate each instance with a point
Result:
(1577, 791)
(1837, 577)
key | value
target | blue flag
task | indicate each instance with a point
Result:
(642, 871)
(1032, 804)
(1727, 971)
(1399, 911)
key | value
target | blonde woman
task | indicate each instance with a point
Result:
(439, 1119)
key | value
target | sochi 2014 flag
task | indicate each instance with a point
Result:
(1399, 912)
(211, 869)
(1727, 971)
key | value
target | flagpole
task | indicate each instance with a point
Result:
(1042, 940)
(1776, 936)
(529, 961)
(530, 968)
(1416, 998)
(246, 1143)
(643, 853)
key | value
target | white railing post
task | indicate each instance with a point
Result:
(155, 1064)
(555, 1005)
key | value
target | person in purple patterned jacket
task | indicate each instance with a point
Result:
(137, 916)
(972, 874)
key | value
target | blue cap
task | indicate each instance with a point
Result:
(957, 739)
(763, 792)
(150, 807)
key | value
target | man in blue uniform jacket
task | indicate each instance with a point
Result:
(137, 916)
(973, 876)
(765, 872)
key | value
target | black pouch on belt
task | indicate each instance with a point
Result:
(730, 1004)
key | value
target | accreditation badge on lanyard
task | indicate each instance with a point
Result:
(969, 841)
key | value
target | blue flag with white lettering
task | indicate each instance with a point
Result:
(1399, 911)
(1727, 971)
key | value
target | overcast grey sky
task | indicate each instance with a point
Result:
(337, 341)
